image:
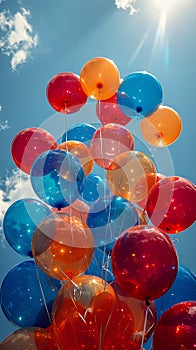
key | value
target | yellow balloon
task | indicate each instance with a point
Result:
(125, 172)
(81, 152)
(162, 127)
(100, 78)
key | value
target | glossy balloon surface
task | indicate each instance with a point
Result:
(108, 111)
(79, 132)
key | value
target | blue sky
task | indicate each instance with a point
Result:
(42, 38)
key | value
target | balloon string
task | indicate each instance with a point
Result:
(145, 324)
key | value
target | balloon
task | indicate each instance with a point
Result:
(171, 204)
(79, 209)
(176, 329)
(24, 293)
(81, 152)
(65, 94)
(124, 173)
(30, 338)
(79, 132)
(108, 142)
(161, 128)
(72, 312)
(108, 111)
(62, 246)
(28, 144)
(100, 78)
(139, 94)
(94, 188)
(139, 310)
(57, 178)
(143, 220)
(144, 185)
(144, 262)
(101, 263)
(20, 222)
(109, 217)
(183, 289)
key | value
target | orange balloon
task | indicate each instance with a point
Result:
(79, 209)
(81, 152)
(124, 173)
(142, 216)
(100, 78)
(162, 127)
(145, 184)
(62, 246)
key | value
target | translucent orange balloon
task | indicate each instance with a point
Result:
(125, 172)
(162, 127)
(81, 152)
(144, 185)
(108, 142)
(100, 78)
(31, 338)
(62, 246)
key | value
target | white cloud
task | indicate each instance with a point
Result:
(3, 125)
(126, 4)
(18, 40)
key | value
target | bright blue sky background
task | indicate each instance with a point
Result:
(61, 36)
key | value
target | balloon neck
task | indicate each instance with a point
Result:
(99, 86)
(147, 302)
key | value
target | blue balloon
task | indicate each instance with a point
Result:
(94, 188)
(80, 132)
(109, 217)
(26, 295)
(21, 220)
(183, 289)
(101, 265)
(139, 95)
(57, 177)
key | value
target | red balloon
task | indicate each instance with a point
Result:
(108, 142)
(176, 329)
(144, 262)
(145, 183)
(108, 111)
(28, 144)
(171, 204)
(65, 94)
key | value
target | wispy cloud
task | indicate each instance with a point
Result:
(126, 4)
(18, 40)
(3, 125)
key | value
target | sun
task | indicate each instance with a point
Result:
(165, 5)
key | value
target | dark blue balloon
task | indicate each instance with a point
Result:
(94, 188)
(101, 263)
(21, 220)
(21, 295)
(57, 178)
(80, 132)
(183, 289)
(109, 217)
(139, 95)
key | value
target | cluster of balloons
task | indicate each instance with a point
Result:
(103, 264)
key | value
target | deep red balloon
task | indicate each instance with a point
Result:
(171, 204)
(144, 262)
(28, 144)
(108, 111)
(176, 329)
(65, 94)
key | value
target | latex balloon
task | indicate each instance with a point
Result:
(161, 128)
(29, 339)
(171, 204)
(65, 94)
(143, 220)
(101, 263)
(79, 132)
(79, 209)
(108, 142)
(183, 289)
(63, 246)
(57, 178)
(26, 295)
(141, 312)
(176, 328)
(81, 152)
(139, 94)
(144, 185)
(20, 222)
(109, 217)
(28, 144)
(100, 78)
(94, 188)
(144, 262)
(124, 173)
(108, 111)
